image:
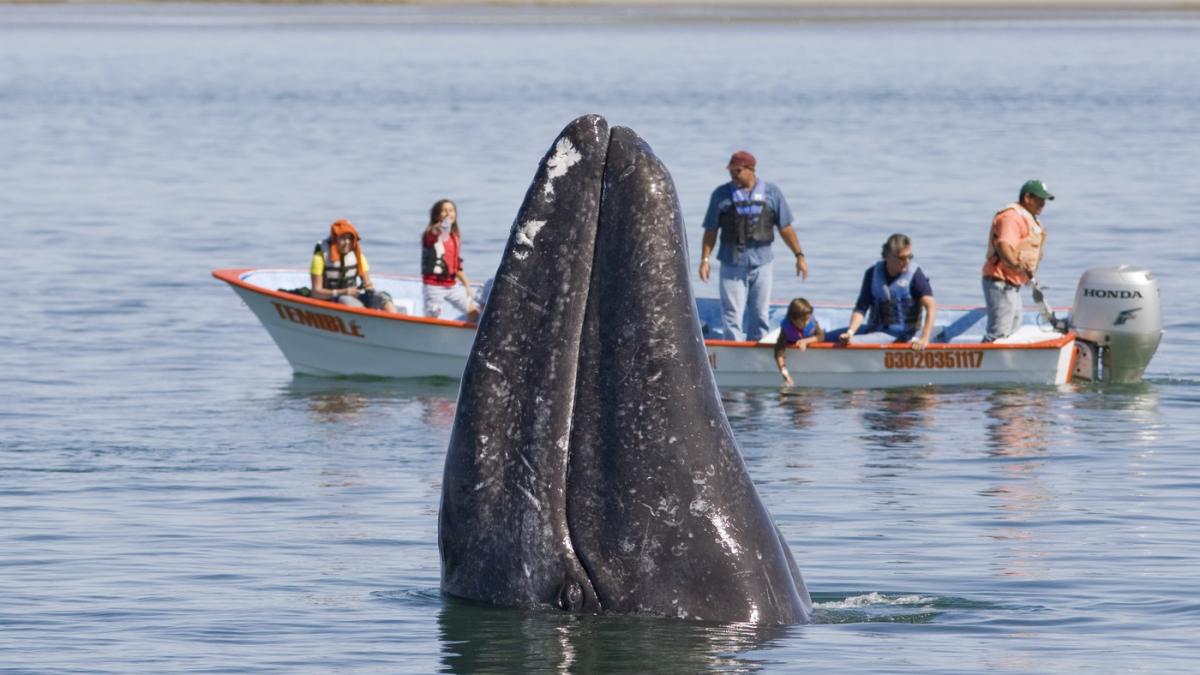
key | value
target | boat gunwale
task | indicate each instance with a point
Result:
(233, 277)
(1053, 343)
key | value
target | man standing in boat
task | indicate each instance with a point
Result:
(1014, 250)
(894, 292)
(746, 211)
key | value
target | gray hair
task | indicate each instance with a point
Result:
(895, 243)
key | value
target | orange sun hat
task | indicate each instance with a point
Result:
(337, 229)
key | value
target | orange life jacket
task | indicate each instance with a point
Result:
(1029, 250)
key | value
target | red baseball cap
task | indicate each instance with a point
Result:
(741, 159)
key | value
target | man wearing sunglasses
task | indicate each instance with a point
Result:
(893, 296)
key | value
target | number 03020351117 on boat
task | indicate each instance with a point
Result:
(1110, 334)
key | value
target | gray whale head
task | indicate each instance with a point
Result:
(591, 467)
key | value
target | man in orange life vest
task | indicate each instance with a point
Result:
(1014, 250)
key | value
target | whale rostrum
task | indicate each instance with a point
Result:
(591, 466)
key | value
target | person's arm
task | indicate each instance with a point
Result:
(318, 288)
(856, 320)
(461, 275)
(706, 247)
(817, 336)
(930, 306)
(861, 305)
(317, 278)
(788, 233)
(1008, 255)
(711, 227)
(1006, 236)
(364, 274)
(780, 346)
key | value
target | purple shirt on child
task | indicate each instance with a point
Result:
(792, 335)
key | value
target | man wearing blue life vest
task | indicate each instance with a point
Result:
(746, 212)
(893, 293)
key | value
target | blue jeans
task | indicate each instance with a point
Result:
(745, 289)
(1003, 308)
(872, 335)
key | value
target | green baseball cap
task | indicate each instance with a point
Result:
(1036, 188)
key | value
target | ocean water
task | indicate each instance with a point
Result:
(173, 499)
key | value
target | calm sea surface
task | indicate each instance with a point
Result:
(173, 499)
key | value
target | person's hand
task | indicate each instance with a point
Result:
(802, 345)
(787, 377)
(845, 337)
(704, 270)
(919, 344)
(801, 267)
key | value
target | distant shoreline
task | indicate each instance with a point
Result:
(705, 5)
(604, 12)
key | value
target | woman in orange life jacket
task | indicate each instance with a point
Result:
(441, 265)
(338, 266)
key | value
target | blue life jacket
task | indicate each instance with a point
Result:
(749, 218)
(893, 308)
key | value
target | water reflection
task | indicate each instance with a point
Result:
(1136, 405)
(437, 412)
(799, 405)
(334, 407)
(338, 400)
(1017, 431)
(746, 408)
(1016, 425)
(477, 638)
(895, 417)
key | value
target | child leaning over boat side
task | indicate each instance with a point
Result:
(798, 328)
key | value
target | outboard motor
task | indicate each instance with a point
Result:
(1118, 317)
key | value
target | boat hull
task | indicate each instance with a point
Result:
(323, 338)
(881, 366)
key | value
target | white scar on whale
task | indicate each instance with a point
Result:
(565, 156)
(525, 236)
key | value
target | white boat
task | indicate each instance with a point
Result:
(324, 338)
